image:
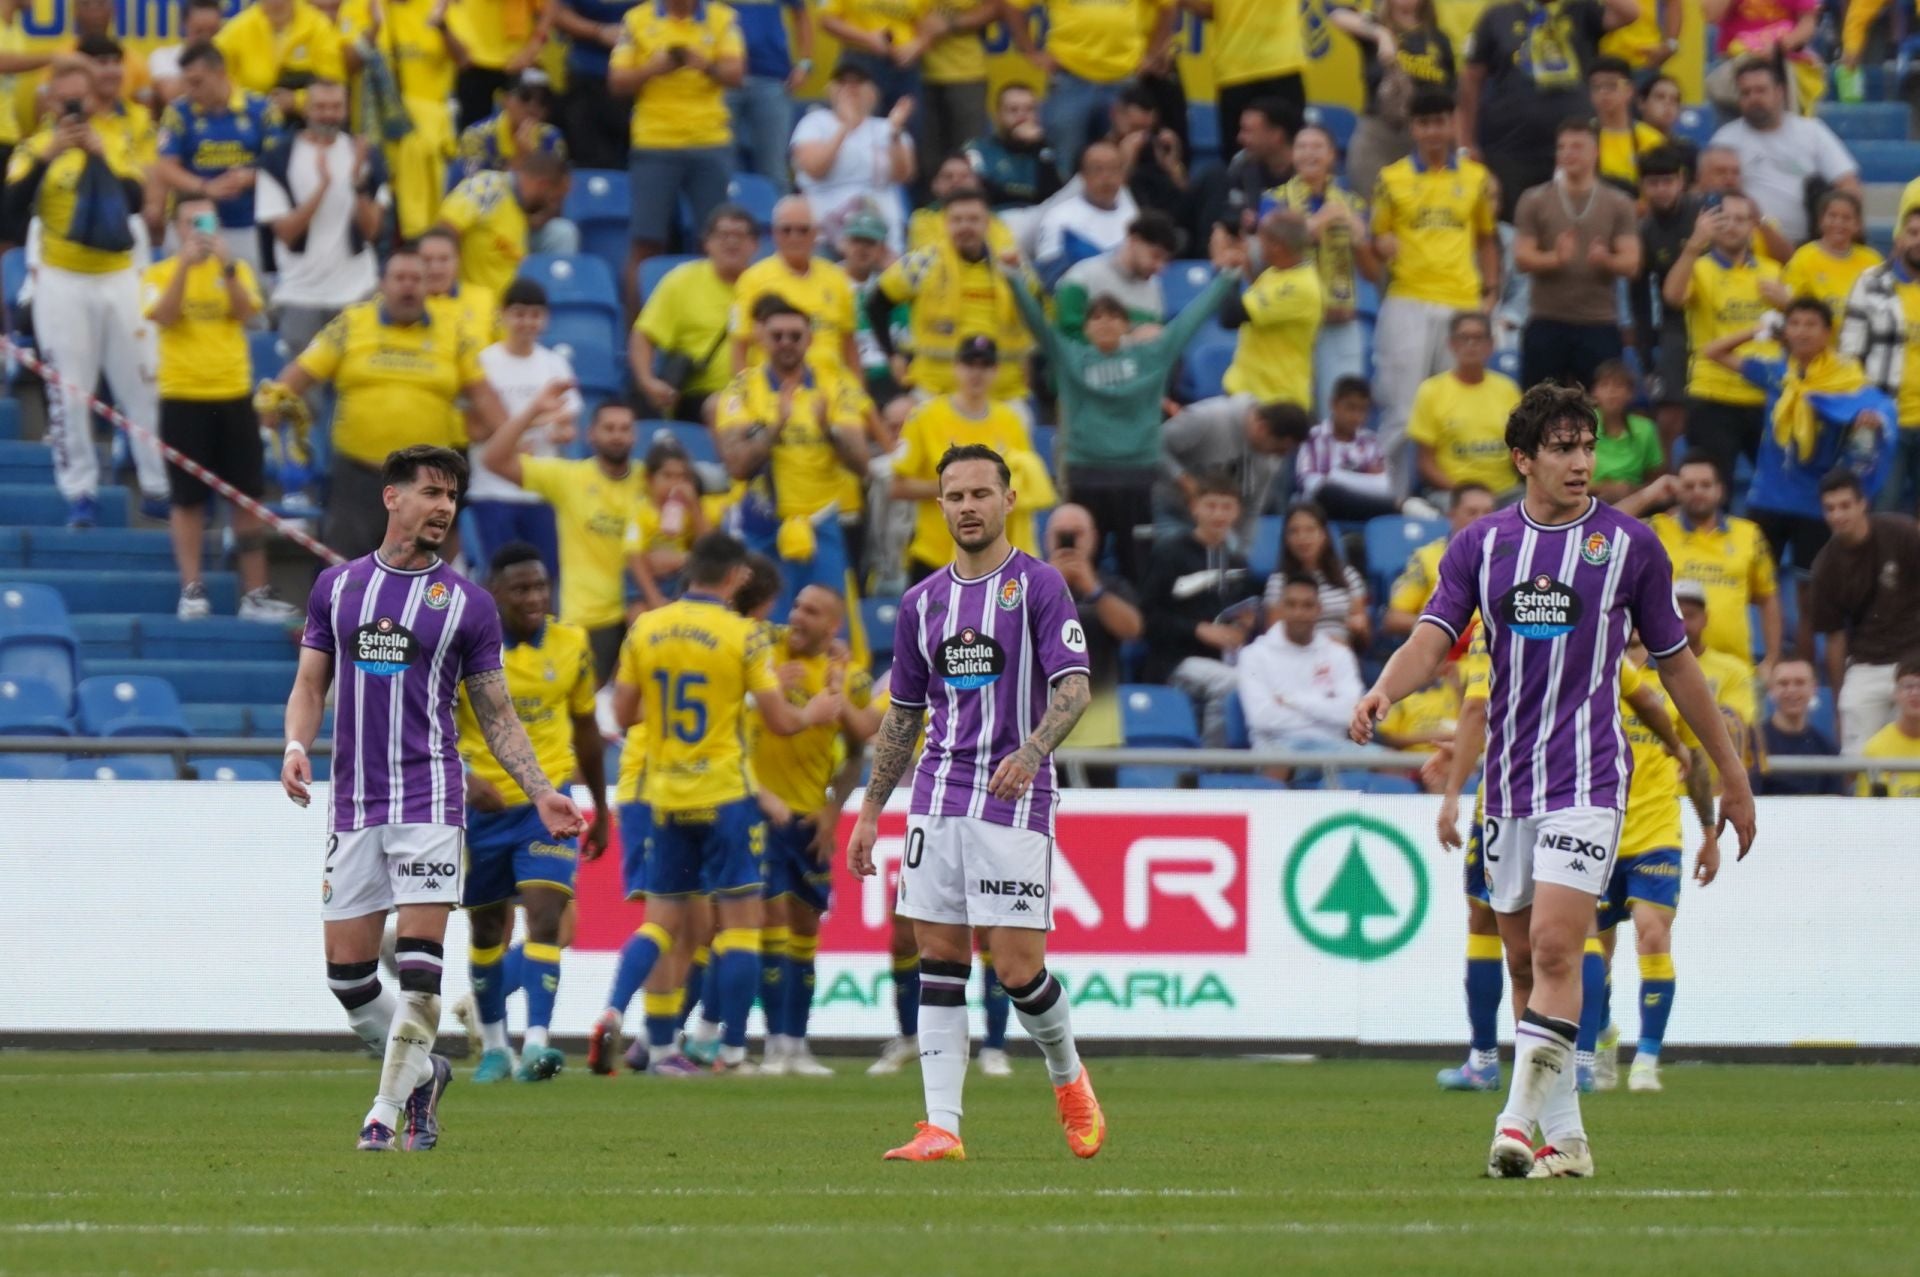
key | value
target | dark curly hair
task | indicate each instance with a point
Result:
(1548, 412)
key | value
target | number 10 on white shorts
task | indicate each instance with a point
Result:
(975, 873)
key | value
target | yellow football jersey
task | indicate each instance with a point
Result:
(824, 294)
(1437, 217)
(1730, 679)
(694, 663)
(1418, 580)
(1814, 272)
(1466, 426)
(550, 679)
(797, 769)
(1733, 562)
(1432, 709)
(591, 510)
(1891, 742)
(1659, 785)
(806, 474)
(1725, 298)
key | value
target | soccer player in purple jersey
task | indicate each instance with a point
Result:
(405, 630)
(993, 645)
(1561, 581)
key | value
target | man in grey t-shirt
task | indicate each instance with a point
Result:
(1129, 273)
(1234, 435)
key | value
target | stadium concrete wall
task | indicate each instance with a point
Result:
(181, 909)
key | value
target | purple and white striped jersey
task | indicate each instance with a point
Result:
(1559, 604)
(983, 653)
(402, 642)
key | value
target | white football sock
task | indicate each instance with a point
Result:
(409, 1055)
(534, 1039)
(943, 1040)
(1042, 1008)
(1560, 1122)
(1543, 1057)
(373, 1020)
(493, 1036)
(1486, 1059)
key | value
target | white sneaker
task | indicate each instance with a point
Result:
(193, 605)
(467, 1012)
(1645, 1074)
(1511, 1156)
(1606, 1060)
(800, 1062)
(894, 1057)
(774, 1060)
(993, 1062)
(265, 606)
(1574, 1160)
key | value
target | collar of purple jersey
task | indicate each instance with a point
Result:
(954, 569)
(1592, 505)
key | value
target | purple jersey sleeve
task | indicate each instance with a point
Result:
(907, 685)
(1058, 637)
(1655, 613)
(481, 653)
(1456, 596)
(319, 632)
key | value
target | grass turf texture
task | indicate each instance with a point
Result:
(231, 1162)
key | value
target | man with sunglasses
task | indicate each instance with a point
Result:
(521, 126)
(814, 286)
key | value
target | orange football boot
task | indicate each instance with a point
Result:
(929, 1144)
(1080, 1113)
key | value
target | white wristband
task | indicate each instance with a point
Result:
(293, 747)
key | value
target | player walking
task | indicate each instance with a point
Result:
(549, 669)
(994, 643)
(409, 631)
(1561, 581)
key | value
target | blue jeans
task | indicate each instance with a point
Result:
(762, 122)
(1340, 351)
(1903, 478)
(660, 177)
(1075, 112)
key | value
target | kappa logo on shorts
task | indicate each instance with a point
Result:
(1021, 906)
(1577, 866)
(384, 648)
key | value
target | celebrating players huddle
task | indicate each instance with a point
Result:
(728, 817)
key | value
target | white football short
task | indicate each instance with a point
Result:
(1574, 847)
(975, 873)
(374, 870)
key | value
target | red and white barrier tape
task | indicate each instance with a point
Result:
(285, 527)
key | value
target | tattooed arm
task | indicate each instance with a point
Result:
(1017, 770)
(892, 753)
(505, 736)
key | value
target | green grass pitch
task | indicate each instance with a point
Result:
(234, 1163)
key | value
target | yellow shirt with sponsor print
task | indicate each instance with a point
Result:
(935, 426)
(1732, 560)
(798, 769)
(1891, 742)
(54, 203)
(687, 312)
(928, 226)
(591, 511)
(683, 108)
(1659, 785)
(396, 382)
(1418, 580)
(1638, 41)
(1099, 40)
(954, 299)
(1429, 710)
(550, 681)
(416, 51)
(960, 57)
(824, 295)
(804, 467)
(485, 212)
(1466, 426)
(1621, 149)
(494, 30)
(1273, 350)
(1730, 679)
(1814, 272)
(1437, 217)
(1725, 298)
(203, 354)
(897, 19)
(694, 663)
(1256, 40)
(258, 54)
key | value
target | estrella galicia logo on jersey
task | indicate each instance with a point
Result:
(971, 660)
(385, 647)
(438, 596)
(1010, 594)
(1541, 608)
(1597, 549)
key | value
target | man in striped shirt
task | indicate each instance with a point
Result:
(405, 631)
(1340, 466)
(1560, 580)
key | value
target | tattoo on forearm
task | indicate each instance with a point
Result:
(1070, 698)
(892, 751)
(505, 736)
(1700, 791)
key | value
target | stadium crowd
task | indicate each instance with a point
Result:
(1232, 388)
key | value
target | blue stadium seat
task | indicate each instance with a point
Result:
(1391, 540)
(215, 720)
(268, 355)
(107, 636)
(1263, 555)
(1237, 735)
(36, 637)
(130, 705)
(132, 591)
(1203, 129)
(1044, 438)
(1887, 161)
(25, 463)
(755, 194)
(1238, 780)
(1697, 124)
(13, 276)
(13, 549)
(209, 682)
(33, 707)
(878, 616)
(1152, 715)
(599, 197)
(589, 343)
(696, 439)
(1866, 121)
(655, 269)
(574, 283)
(1204, 366)
(235, 769)
(1506, 363)
(1148, 777)
(1340, 121)
(1184, 280)
(100, 549)
(607, 242)
(215, 638)
(34, 505)
(31, 766)
(9, 418)
(121, 767)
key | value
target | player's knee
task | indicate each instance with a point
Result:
(546, 913)
(1556, 962)
(419, 962)
(1652, 932)
(354, 984)
(487, 926)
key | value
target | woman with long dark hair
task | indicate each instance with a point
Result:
(1308, 548)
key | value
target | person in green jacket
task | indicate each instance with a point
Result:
(1111, 385)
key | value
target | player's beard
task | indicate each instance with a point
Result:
(974, 542)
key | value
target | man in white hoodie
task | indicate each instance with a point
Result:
(1298, 687)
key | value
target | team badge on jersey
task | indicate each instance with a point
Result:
(438, 596)
(971, 660)
(1010, 594)
(1597, 549)
(1541, 608)
(385, 648)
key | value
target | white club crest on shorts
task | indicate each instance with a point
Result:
(1073, 636)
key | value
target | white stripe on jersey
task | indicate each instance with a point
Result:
(368, 602)
(940, 773)
(434, 670)
(983, 749)
(1023, 702)
(1622, 753)
(1516, 662)
(397, 700)
(1556, 671)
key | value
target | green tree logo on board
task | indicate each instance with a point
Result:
(1333, 893)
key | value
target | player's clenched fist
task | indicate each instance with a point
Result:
(866, 832)
(1372, 708)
